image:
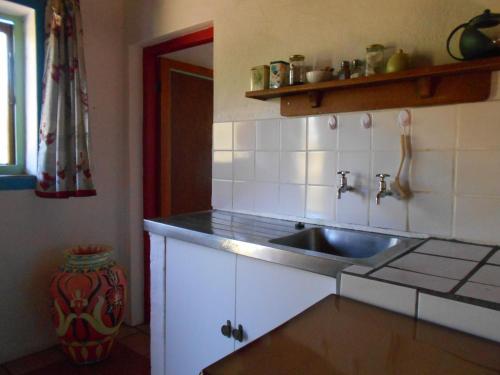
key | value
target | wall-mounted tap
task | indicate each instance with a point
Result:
(344, 187)
(382, 187)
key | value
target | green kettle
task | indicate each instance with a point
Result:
(473, 43)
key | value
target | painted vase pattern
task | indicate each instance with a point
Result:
(89, 298)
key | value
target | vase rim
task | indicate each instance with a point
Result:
(87, 250)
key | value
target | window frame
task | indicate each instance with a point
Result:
(17, 81)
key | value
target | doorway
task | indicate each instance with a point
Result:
(168, 136)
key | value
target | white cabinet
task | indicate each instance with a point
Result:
(195, 290)
(268, 294)
(199, 300)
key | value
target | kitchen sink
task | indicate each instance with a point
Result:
(341, 242)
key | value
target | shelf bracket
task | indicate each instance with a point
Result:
(425, 87)
(315, 98)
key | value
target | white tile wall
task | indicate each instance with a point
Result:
(244, 165)
(293, 168)
(320, 136)
(293, 134)
(322, 168)
(268, 135)
(243, 195)
(320, 202)
(244, 135)
(292, 200)
(267, 166)
(223, 165)
(455, 170)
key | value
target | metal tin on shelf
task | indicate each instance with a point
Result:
(259, 79)
(279, 74)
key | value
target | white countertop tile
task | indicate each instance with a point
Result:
(409, 278)
(454, 250)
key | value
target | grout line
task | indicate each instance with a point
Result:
(304, 213)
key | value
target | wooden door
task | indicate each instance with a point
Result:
(269, 294)
(200, 292)
(186, 138)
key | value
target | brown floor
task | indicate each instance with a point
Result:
(130, 355)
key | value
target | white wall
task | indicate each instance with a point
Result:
(34, 231)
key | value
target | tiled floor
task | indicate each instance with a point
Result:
(130, 355)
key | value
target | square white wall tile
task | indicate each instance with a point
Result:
(353, 136)
(321, 202)
(358, 164)
(293, 167)
(223, 136)
(267, 196)
(352, 208)
(244, 165)
(320, 136)
(292, 200)
(434, 128)
(477, 219)
(293, 134)
(385, 162)
(432, 171)
(243, 195)
(462, 316)
(391, 213)
(267, 166)
(388, 296)
(386, 133)
(431, 213)
(479, 125)
(268, 135)
(222, 165)
(222, 194)
(244, 135)
(322, 168)
(478, 172)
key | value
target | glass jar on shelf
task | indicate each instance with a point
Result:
(374, 59)
(297, 70)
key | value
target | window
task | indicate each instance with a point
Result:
(12, 111)
(7, 144)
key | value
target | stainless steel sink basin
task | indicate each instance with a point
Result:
(340, 242)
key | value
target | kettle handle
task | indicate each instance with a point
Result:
(449, 40)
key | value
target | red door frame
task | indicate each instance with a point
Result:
(151, 131)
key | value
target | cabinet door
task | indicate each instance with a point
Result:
(269, 294)
(200, 292)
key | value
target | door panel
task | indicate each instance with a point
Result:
(185, 138)
(191, 126)
(200, 292)
(269, 294)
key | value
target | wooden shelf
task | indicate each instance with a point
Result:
(436, 85)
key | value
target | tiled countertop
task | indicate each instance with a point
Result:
(447, 267)
(448, 282)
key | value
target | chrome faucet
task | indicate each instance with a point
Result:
(382, 187)
(344, 187)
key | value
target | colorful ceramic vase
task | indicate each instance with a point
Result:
(89, 296)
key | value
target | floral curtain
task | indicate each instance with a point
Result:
(63, 155)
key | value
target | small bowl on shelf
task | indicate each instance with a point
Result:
(315, 76)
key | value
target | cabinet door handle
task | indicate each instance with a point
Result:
(226, 329)
(238, 333)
